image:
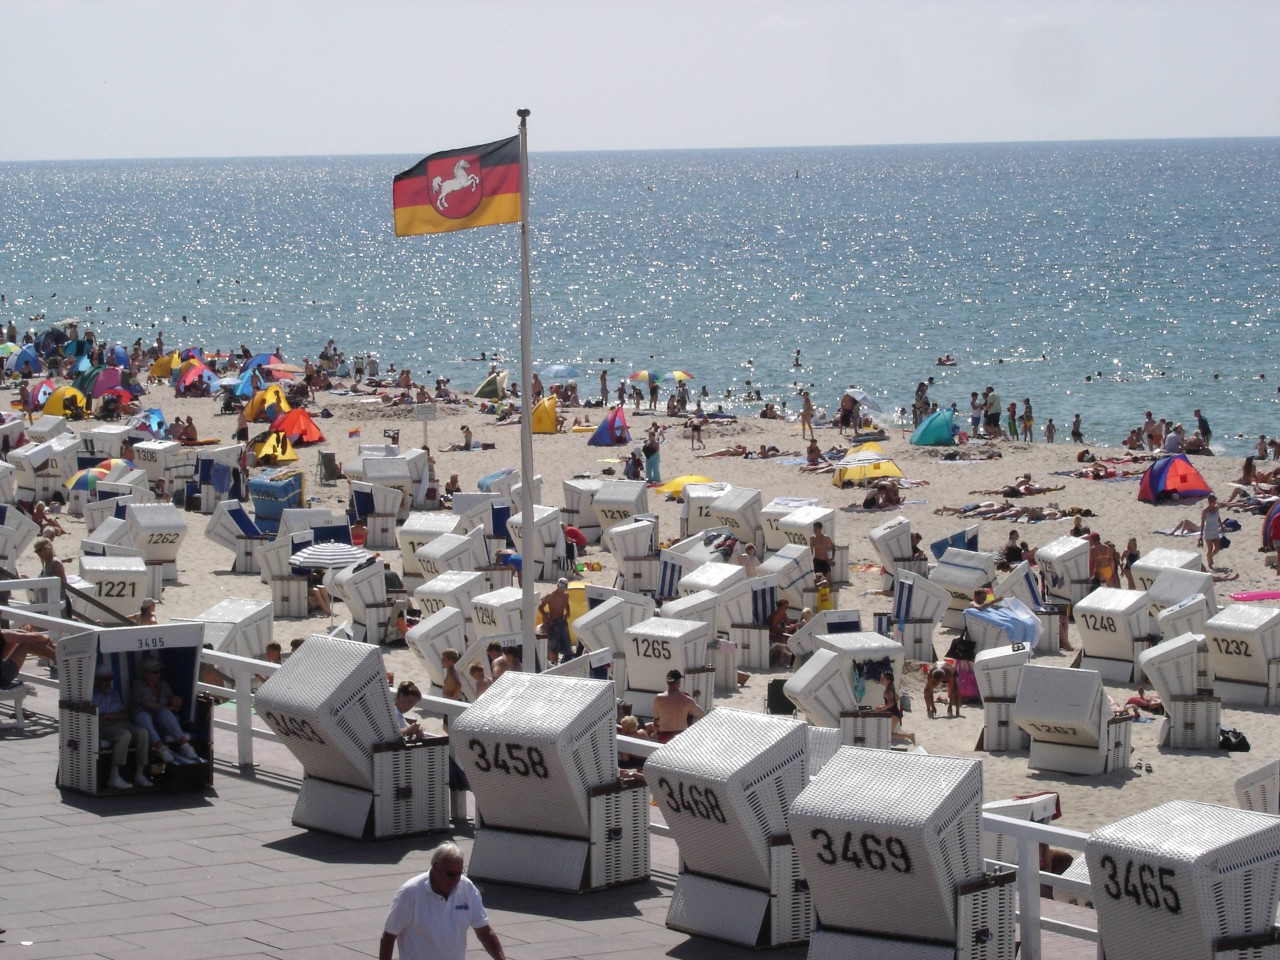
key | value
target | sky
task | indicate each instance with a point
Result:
(96, 79)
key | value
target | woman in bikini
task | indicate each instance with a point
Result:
(893, 706)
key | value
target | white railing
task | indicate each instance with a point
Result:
(243, 671)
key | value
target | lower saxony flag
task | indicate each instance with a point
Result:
(458, 189)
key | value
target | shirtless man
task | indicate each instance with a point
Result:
(1149, 431)
(509, 660)
(452, 686)
(777, 622)
(482, 682)
(672, 710)
(824, 551)
(555, 617)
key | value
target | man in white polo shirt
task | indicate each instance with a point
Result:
(430, 914)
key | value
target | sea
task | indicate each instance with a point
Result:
(1095, 278)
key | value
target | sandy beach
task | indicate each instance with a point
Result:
(204, 577)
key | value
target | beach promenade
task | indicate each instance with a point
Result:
(226, 875)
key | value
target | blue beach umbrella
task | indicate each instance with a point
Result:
(259, 360)
(559, 371)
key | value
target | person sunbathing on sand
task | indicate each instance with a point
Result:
(737, 450)
(985, 508)
(1024, 486)
(1033, 514)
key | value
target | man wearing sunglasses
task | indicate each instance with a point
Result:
(430, 914)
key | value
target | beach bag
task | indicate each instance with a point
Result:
(962, 648)
(1233, 741)
(966, 682)
(1223, 542)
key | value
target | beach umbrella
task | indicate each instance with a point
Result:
(681, 375)
(676, 487)
(8, 348)
(120, 355)
(86, 479)
(558, 371)
(112, 462)
(285, 368)
(864, 399)
(328, 556)
(259, 360)
(646, 376)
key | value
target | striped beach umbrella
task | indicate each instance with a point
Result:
(681, 375)
(86, 479)
(646, 376)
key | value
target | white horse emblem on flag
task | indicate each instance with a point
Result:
(441, 188)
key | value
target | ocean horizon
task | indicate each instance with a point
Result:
(1094, 277)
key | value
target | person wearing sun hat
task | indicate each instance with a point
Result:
(114, 728)
(153, 703)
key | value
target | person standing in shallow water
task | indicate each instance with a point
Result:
(1203, 426)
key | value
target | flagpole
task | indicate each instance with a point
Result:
(528, 604)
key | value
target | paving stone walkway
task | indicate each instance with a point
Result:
(226, 875)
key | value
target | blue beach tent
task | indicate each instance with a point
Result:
(935, 431)
(26, 355)
(1172, 480)
(612, 431)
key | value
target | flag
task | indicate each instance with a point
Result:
(457, 189)
(353, 432)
